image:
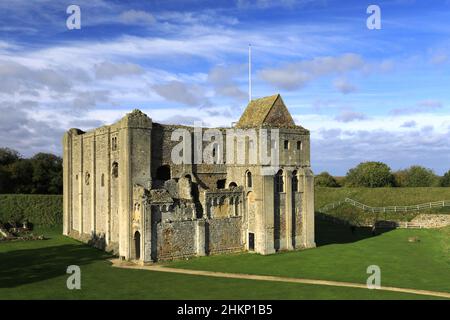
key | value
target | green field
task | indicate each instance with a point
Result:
(36, 270)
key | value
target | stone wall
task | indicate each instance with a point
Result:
(432, 220)
(176, 239)
(181, 239)
(224, 235)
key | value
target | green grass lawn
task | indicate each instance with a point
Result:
(342, 256)
(36, 270)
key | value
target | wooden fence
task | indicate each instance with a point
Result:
(390, 209)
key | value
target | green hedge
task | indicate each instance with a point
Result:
(40, 210)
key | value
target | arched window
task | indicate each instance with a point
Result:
(294, 181)
(232, 185)
(114, 143)
(115, 169)
(87, 177)
(249, 179)
(102, 180)
(279, 182)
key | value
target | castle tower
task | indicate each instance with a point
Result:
(280, 192)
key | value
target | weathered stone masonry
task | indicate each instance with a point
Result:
(123, 193)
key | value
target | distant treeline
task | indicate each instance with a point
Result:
(40, 174)
(378, 174)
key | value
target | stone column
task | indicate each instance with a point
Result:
(266, 230)
(308, 210)
(67, 183)
(108, 184)
(200, 235)
(93, 186)
(125, 190)
(81, 188)
(146, 228)
(288, 213)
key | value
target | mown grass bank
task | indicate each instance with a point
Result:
(381, 197)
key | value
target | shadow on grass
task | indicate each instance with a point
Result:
(30, 265)
(331, 231)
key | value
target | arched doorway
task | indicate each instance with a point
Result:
(137, 244)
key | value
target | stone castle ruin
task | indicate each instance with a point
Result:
(123, 191)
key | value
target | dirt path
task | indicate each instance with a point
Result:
(159, 268)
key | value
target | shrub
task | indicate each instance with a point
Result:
(416, 176)
(325, 179)
(370, 174)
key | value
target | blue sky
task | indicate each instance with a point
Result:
(364, 94)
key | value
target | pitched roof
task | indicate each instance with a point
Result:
(267, 111)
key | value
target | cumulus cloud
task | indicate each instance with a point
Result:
(343, 86)
(224, 83)
(16, 77)
(337, 150)
(84, 100)
(409, 124)
(423, 106)
(181, 92)
(439, 58)
(108, 70)
(26, 134)
(138, 17)
(184, 120)
(266, 4)
(430, 104)
(349, 116)
(296, 75)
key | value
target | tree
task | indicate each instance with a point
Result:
(8, 156)
(47, 173)
(21, 176)
(370, 174)
(5, 180)
(445, 180)
(416, 176)
(325, 179)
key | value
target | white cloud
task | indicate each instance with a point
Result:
(138, 17)
(108, 70)
(423, 106)
(183, 93)
(296, 75)
(343, 86)
(223, 79)
(349, 116)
